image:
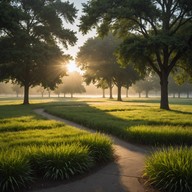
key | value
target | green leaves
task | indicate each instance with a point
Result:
(15, 171)
(32, 148)
(170, 169)
(32, 46)
(62, 162)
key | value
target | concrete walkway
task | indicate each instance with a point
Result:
(119, 176)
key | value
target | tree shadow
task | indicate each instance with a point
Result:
(104, 122)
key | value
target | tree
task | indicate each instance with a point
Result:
(146, 85)
(41, 90)
(156, 33)
(124, 77)
(17, 89)
(103, 85)
(181, 82)
(97, 58)
(58, 90)
(73, 84)
(2, 88)
(30, 54)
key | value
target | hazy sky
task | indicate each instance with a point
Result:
(81, 39)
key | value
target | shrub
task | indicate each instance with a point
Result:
(100, 147)
(61, 162)
(15, 171)
(170, 169)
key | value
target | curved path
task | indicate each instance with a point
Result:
(119, 176)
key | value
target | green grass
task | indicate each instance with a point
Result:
(135, 120)
(142, 123)
(170, 169)
(32, 148)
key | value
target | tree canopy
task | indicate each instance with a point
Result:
(156, 33)
(31, 35)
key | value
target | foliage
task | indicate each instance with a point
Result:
(147, 84)
(96, 57)
(170, 169)
(32, 148)
(29, 47)
(60, 162)
(99, 147)
(156, 34)
(72, 84)
(15, 171)
(17, 89)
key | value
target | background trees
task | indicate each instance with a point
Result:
(156, 33)
(17, 89)
(29, 36)
(72, 84)
(97, 58)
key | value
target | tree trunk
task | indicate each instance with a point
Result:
(119, 93)
(127, 92)
(164, 104)
(146, 94)
(110, 92)
(71, 95)
(179, 95)
(103, 93)
(173, 95)
(26, 95)
(139, 94)
(187, 94)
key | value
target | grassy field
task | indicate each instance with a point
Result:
(138, 121)
(135, 120)
(141, 121)
(32, 148)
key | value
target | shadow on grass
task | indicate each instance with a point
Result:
(102, 121)
(181, 112)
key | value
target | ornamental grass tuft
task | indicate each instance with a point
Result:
(62, 162)
(170, 169)
(15, 171)
(100, 147)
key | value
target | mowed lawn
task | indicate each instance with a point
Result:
(139, 121)
(33, 148)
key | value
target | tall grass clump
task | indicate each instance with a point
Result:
(15, 171)
(170, 169)
(100, 147)
(60, 162)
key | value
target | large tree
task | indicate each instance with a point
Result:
(31, 35)
(156, 33)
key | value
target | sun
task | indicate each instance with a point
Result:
(72, 67)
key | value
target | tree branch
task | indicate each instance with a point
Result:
(174, 60)
(153, 66)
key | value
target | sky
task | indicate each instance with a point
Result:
(81, 39)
